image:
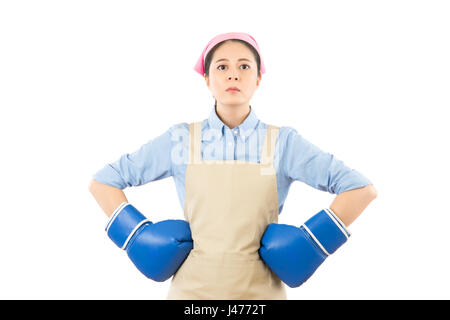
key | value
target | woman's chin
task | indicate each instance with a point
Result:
(231, 102)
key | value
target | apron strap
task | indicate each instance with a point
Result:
(268, 151)
(195, 142)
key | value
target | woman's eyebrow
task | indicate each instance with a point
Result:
(238, 60)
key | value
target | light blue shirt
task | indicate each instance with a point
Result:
(295, 159)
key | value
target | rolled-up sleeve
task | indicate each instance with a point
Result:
(152, 161)
(303, 161)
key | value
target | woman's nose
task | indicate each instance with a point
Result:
(233, 74)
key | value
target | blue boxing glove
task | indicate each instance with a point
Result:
(294, 254)
(156, 249)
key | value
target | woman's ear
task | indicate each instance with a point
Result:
(206, 80)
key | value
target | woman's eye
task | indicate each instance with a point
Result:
(219, 67)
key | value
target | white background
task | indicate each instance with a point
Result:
(83, 82)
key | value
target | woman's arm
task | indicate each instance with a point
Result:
(109, 198)
(350, 204)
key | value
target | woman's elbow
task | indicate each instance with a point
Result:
(373, 193)
(94, 185)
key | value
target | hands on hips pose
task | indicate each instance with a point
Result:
(294, 254)
(156, 249)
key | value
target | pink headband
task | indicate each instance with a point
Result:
(200, 66)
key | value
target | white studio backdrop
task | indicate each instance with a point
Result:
(83, 82)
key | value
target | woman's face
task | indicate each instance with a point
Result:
(233, 65)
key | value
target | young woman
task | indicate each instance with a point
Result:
(232, 173)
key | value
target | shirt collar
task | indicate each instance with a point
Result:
(245, 128)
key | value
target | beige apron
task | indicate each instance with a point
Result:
(228, 206)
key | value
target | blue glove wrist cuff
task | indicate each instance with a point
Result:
(327, 230)
(124, 222)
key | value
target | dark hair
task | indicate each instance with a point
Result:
(249, 46)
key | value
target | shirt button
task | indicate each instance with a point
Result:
(235, 131)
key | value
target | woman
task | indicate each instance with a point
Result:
(232, 173)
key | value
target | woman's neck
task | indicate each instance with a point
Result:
(233, 115)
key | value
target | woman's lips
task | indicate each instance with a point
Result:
(232, 90)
